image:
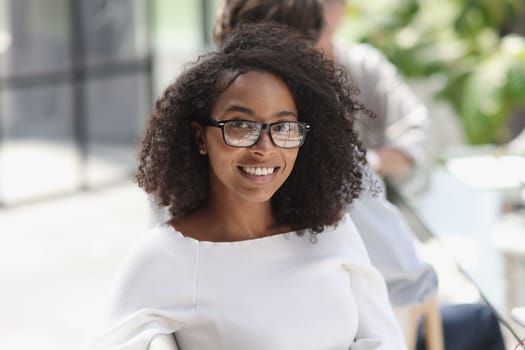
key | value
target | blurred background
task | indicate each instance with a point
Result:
(78, 81)
(79, 77)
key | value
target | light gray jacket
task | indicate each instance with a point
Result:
(402, 121)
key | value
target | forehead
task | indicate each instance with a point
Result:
(253, 77)
(260, 91)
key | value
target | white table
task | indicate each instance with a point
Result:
(464, 210)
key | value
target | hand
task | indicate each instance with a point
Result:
(392, 162)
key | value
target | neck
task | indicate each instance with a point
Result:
(326, 46)
(232, 219)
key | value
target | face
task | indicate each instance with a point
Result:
(253, 173)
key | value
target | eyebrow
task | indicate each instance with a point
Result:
(235, 108)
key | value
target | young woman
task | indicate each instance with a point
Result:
(252, 150)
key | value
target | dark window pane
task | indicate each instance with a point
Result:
(117, 109)
(39, 37)
(38, 156)
(114, 30)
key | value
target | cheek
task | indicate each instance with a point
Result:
(220, 157)
(290, 156)
(217, 149)
(218, 160)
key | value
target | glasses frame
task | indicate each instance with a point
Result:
(264, 126)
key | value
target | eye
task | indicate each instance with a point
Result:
(284, 126)
(240, 124)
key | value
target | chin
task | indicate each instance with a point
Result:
(261, 197)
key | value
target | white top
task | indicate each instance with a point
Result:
(281, 292)
(392, 246)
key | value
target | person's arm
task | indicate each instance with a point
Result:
(377, 326)
(144, 302)
(389, 161)
(401, 131)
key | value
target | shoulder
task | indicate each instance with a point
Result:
(356, 52)
(360, 51)
(142, 278)
(361, 58)
(349, 241)
(161, 248)
(365, 49)
(159, 244)
(152, 290)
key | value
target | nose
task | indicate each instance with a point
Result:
(264, 143)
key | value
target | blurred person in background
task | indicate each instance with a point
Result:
(398, 141)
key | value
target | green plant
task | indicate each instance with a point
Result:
(461, 42)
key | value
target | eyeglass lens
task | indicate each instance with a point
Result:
(243, 133)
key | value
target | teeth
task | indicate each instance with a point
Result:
(258, 171)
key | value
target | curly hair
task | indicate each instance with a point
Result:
(304, 15)
(327, 174)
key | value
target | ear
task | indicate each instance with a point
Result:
(198, 136)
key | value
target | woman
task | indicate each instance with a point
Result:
(249, 150)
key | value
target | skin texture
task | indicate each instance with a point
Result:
(239, 204)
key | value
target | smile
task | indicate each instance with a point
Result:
(257, 171)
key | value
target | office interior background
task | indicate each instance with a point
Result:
(78, 79)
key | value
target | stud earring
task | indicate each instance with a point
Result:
(202, 151)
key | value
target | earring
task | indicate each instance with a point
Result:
(202, 151)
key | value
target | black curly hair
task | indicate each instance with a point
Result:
(328, 171)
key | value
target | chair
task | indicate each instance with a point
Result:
(429, 313)
(518, 314)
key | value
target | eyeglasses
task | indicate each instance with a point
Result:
(246, 133)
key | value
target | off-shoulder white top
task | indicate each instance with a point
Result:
(281, 292)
